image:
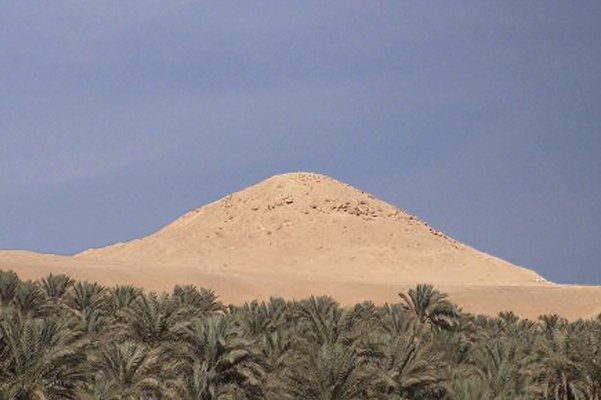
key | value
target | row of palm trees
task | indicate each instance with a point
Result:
(61, 339)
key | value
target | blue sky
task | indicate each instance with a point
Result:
(482, 118)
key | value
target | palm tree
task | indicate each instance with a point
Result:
(30, 299)
(506, 368)
(331, 371)
(560, 356)
(550, 323)
(260, 318)
(430, 306)
(198, 383)
(591, 360)
(322, 320)
(127, 371)
(40, 359)
(86, 295)
(468, 388)
(56, 286)
(455, 347)
(394, 320)
(270, 327)
(217, 360)
(88, 301)
(151, 319)
(197, 302)
(472, 388)
(276, 345)
(122, 296)
(509, 322)
(408, 365)
(364, 318)
(9, 281)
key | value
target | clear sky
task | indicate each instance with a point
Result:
(482, 118)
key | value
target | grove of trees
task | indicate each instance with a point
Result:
(62, 339)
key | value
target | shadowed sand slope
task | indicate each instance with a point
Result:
(301, 233)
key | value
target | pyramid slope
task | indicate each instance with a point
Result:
(312, 225)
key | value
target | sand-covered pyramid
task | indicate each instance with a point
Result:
(312, 225)
(299, 234)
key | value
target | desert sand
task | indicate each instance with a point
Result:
(299, 234)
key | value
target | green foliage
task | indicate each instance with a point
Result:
(121, 297)
(328, 371)
(56, 286)
(30, 299)
(430, 306)
(408, 365)
(152, 319)
(215, 358)
(61, 339)
(40, 358)
(127, 370)
(196, 302)
(8, 287)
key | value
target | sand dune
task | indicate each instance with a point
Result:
(301, 233)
